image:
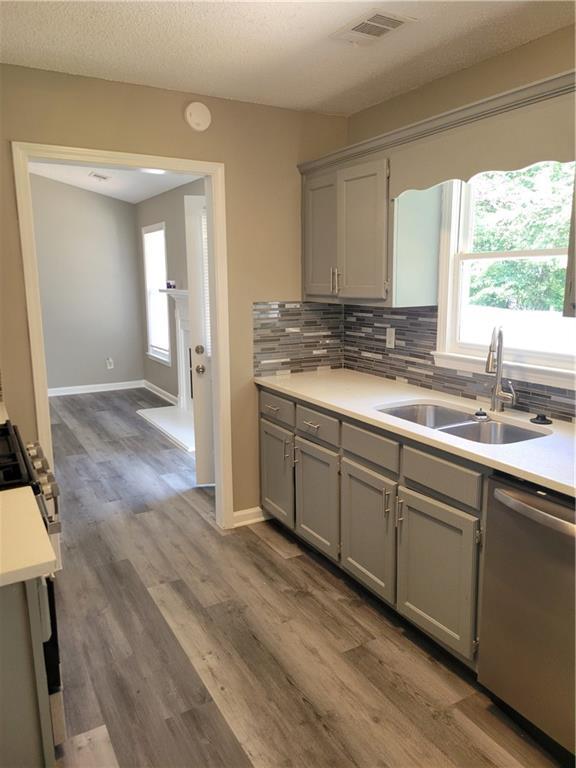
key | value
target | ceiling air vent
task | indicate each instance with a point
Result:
(99, 176)
(369, 28)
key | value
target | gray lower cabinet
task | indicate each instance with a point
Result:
(368, 531)
(277, 471)
(437, 569)
(317, 497)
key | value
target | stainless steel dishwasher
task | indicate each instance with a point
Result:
(527, 637)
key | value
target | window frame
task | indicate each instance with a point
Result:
(155, 353)
(524, 365)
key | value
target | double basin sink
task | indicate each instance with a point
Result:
(461, 424)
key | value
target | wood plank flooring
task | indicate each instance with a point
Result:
(187, 647)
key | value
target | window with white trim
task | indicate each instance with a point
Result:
(157, 318)
(504, 264)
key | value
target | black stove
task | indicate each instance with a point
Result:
(15, 469)
(26, 466)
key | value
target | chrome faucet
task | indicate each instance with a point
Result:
(494, 365)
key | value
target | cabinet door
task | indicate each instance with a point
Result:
(417, 216)
(362, 219)
(317, 497)
(437, 569)
(368, 531)
(320, 235)
(277, 472)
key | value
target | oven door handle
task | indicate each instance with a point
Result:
(44, 606)
(535, 514)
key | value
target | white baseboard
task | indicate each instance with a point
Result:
(172, 399)
(249, 516)
(82, 389)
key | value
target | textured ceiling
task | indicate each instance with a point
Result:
(269, 53)
(128, 184)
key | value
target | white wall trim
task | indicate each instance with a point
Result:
(249, 516)
(23, 153)
(533, 374)
(82, 389)
(172, 399)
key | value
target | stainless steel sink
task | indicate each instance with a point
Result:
(492, 432)
(428, 415)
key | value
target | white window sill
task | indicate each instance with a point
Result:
(167, 361)
(553, 377)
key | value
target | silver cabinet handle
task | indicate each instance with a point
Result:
(287, 446)
(273, 408)
(386, 502)
(337, 276)
(332, 288)
(537, 515)
(295, 453)
(399, 507)
(311, 425)
(200, 369)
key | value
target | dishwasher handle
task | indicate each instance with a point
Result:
(533, 513)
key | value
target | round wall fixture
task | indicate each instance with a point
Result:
(198, 116)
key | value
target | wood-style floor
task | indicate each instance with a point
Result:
(186, 646)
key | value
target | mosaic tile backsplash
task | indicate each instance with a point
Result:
(301, 336)
(296, 336)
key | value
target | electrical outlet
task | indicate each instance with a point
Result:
(109, 363)
(390, 338)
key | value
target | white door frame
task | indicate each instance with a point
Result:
(23, 153)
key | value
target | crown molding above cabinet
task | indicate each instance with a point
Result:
(517, 98)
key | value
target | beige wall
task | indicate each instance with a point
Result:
(89, 270)
(260, 147)
(169, 208)
(537, 60)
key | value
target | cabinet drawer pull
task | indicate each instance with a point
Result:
(386, 502)
(287, 446)
(273, 408)
(311, 425)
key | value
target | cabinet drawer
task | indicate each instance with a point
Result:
(372, 447)
(318, 425)
(456, 482)
(277, 408)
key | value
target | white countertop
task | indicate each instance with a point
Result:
(548, 460)
(25, 549)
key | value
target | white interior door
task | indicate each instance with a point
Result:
(198, 239)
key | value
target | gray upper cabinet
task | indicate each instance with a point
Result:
(368, 531)
(437, 569)
(416, 226)
(361, 246)
(362, 227)
(320, 217)
(318, 497)
(277, 471)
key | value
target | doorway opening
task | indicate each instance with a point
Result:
(184, 308)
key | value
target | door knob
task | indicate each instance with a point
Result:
(200, 369)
